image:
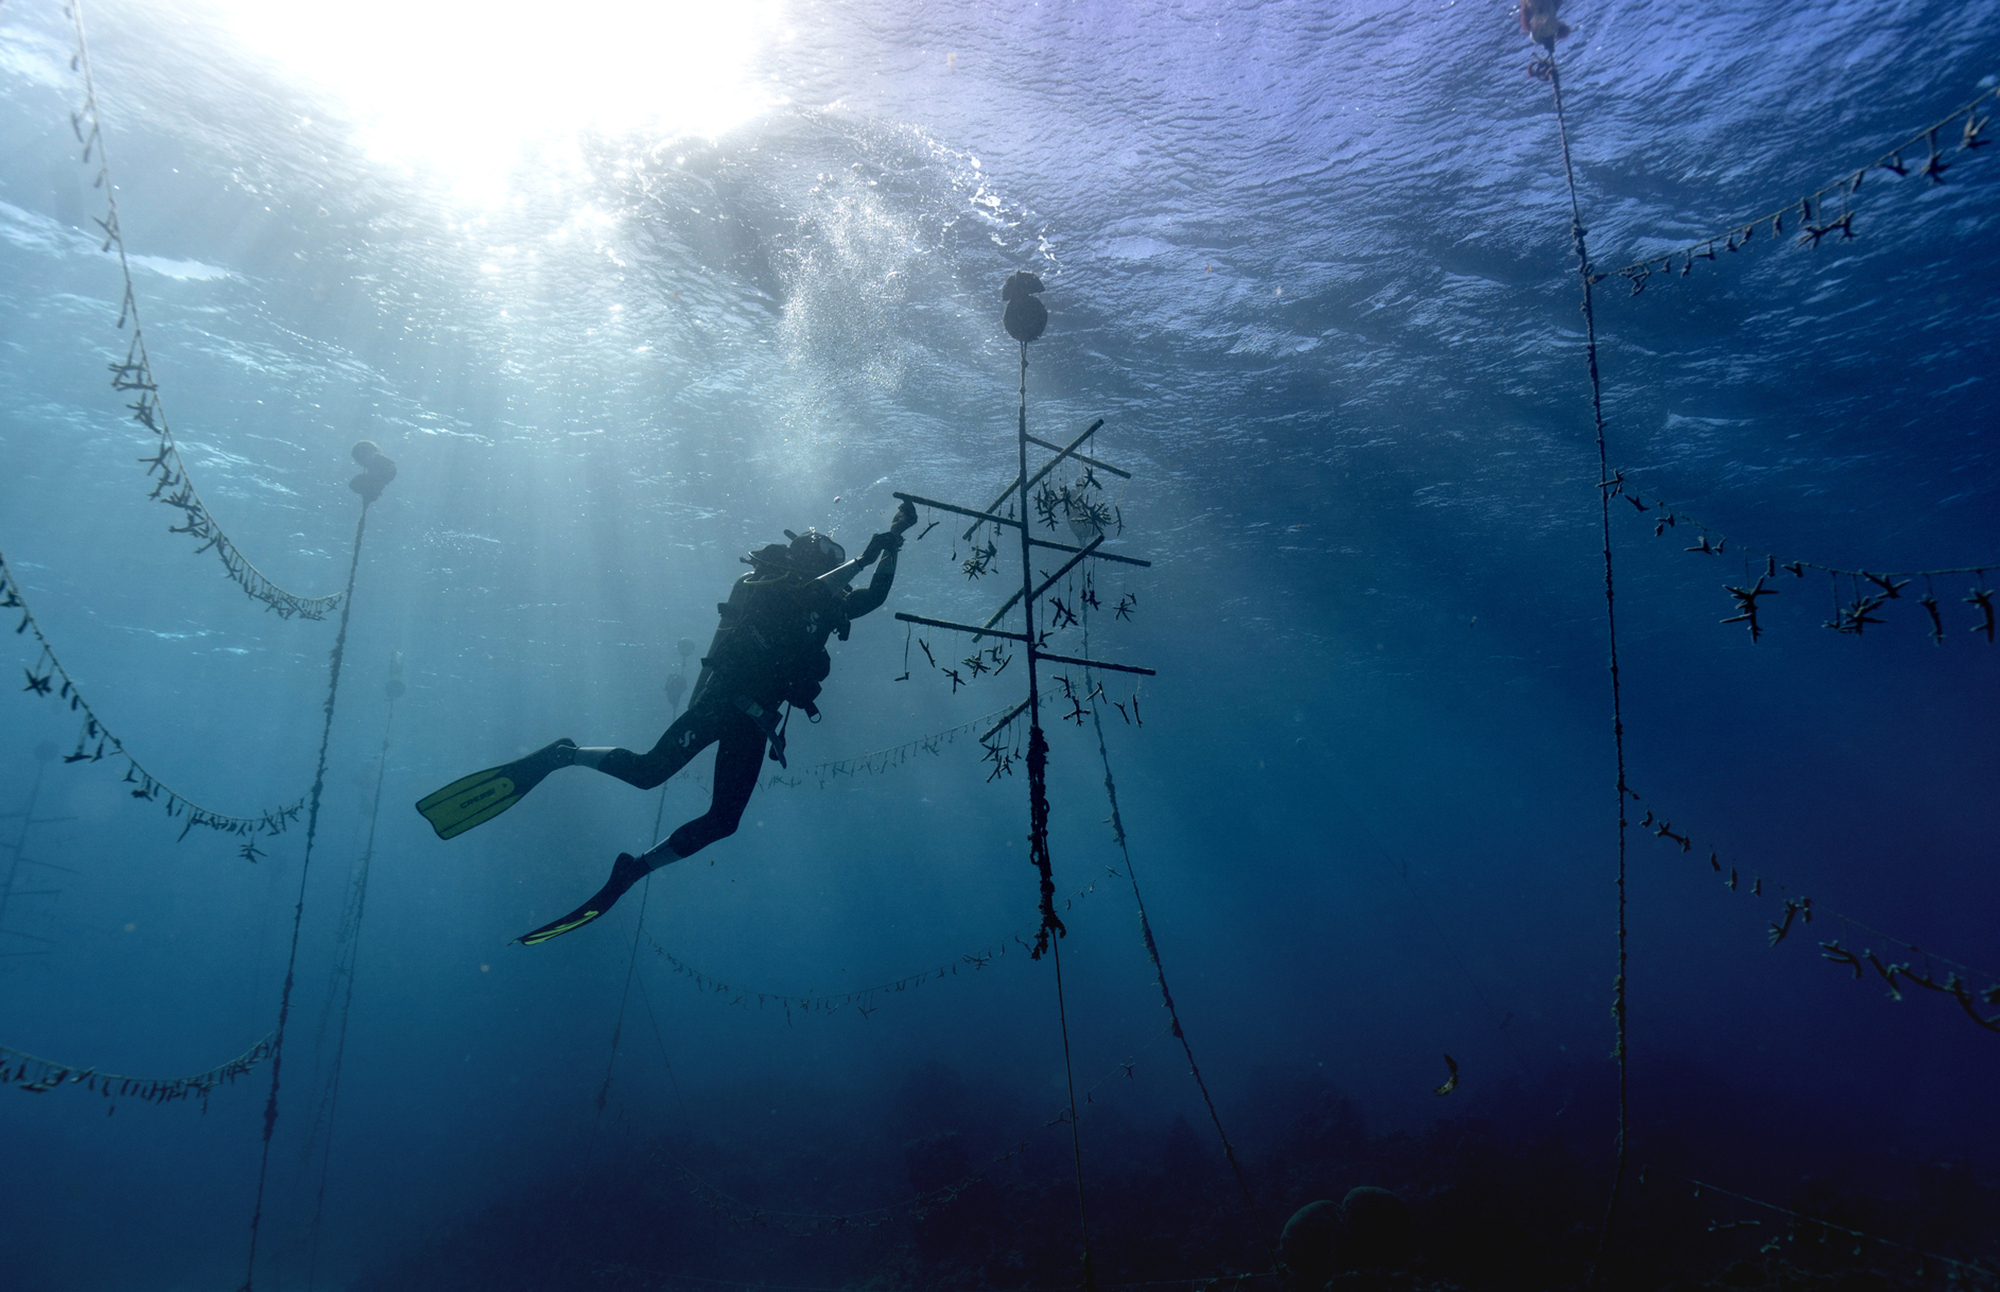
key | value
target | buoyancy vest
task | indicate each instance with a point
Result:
(771, 643)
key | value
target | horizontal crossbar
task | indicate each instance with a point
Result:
(974, 629)
(1101, 466)
(921, 501)
(1100, 556)
(1095, 663)
(1088, 549)
(1012, 714)
(963, 511)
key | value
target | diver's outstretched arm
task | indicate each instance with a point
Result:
(877, 591)
(888, 543)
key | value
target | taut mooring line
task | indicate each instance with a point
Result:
(299, 908)
(352, 951)
(1604, 490)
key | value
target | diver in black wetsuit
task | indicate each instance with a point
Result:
(769, 651)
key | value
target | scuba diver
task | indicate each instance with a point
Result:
(768, 652)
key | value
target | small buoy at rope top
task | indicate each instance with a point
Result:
(1024, 317)
(377, 470)
(686, 648)
(1540, 24)
(394, 687)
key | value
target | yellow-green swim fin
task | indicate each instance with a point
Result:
(478, 798)
(625, 872)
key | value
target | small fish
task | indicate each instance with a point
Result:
(1451, 1082)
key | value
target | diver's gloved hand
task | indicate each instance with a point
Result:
(891, 539)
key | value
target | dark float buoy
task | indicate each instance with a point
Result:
(377, 470)
(1024, 317)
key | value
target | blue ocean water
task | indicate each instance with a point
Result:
(1311, 264)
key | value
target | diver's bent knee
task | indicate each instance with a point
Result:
(640, 771)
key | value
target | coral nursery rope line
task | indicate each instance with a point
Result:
(863, 997)
(299, 908)
(1798, 911)
(876, 761)
(1871, 590)
(1672, 517)
(1807, 209)
(1577, 234)
(134, 375)
(36, 1075)
(96, 741)
(1980, 1268)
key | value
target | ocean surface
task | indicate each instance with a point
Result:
(625, 294)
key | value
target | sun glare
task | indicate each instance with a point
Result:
(469, 91)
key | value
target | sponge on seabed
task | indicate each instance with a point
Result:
(1370, 1228)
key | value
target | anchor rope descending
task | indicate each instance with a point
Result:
(349, 941)
(1117, 822)
(134, 375)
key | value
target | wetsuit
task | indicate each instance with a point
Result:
(769, 650)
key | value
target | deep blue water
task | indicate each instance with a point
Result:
(1311, 263)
